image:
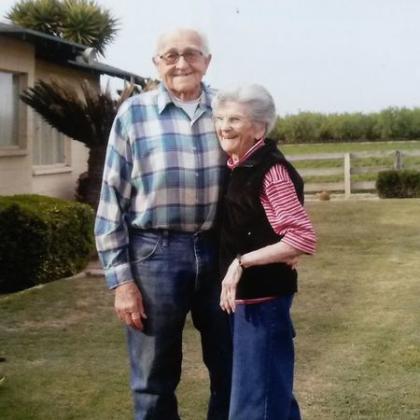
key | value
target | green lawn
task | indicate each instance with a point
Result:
(357, 318)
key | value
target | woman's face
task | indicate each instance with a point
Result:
(237, 133)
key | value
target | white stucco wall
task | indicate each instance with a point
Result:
(17, 173)
(16, 162)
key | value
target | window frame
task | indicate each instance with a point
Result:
(21, 146)
(55, 167)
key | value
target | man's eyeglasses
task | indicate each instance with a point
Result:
(172, 57)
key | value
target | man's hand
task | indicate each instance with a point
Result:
(229, 284)
(128, 305)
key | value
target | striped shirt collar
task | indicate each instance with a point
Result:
(232, 165)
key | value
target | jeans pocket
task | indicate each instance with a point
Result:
(143, 245)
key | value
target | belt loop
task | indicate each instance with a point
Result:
(165, 237)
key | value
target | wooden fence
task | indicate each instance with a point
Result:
(347, 185)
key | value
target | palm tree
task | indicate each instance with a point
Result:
(40, 15)
(80, 21)
(86, 118)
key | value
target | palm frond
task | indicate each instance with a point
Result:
(39, 15)
(85, 117)
(100, 109)
(60, 106)
(86, 23)
(80, 21)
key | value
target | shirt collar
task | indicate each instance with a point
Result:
(232, 165)
(164, 99)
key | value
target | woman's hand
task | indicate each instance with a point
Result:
(229, 284)
(292, 262)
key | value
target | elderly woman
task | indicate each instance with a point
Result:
(264, 230)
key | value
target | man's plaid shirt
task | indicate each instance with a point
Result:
(162, 171)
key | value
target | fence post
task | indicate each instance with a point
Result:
(398, 163)
(347, 176)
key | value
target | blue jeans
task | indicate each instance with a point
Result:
(263, 362)
(176, 273)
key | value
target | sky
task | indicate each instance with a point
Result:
(312, 55)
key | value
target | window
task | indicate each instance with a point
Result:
(50, 147)
(9, 109)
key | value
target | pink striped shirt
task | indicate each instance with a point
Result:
(283, 210)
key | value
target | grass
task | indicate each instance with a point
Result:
(357, 318)
(296, 149)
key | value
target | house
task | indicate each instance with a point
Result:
(34, 157)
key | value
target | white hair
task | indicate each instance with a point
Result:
(203, 39)
(258, 101)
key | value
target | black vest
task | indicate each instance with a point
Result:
(245, 226)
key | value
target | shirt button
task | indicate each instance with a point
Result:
(249, 233)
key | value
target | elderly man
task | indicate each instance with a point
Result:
(155, 228)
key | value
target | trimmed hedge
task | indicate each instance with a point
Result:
(398, 184)
(42, 239)
(313, 127)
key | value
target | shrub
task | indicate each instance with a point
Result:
(309, 127)
(42, 239)
(398, 184)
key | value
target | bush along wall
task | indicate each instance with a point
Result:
(42, 239)
(398, 184)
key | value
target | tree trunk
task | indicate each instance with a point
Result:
(89, 186)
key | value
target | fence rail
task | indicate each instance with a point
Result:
(349, 186)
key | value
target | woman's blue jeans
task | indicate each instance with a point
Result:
(176, 273)
(263, 362)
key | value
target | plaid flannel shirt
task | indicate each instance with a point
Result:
(162, 171)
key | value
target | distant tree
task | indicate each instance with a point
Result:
(311, 127)
(86, 118)
(80, 21)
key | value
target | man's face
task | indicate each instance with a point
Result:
(183, 76)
